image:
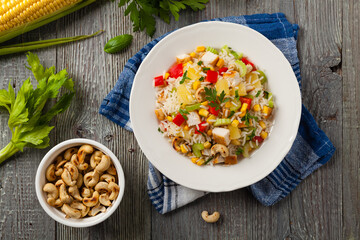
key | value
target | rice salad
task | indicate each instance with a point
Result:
(214, 106)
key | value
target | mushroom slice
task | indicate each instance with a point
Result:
(50, 173)
(91, 201)
(79, 206)
(91, 179)
(66, 177)
(74, 191)
(70, 212)
(219, 148)
(104, 200)
(114, 190)
(107, 177)
(95, 210)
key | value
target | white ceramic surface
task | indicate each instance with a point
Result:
(58, 215)
(281, 81)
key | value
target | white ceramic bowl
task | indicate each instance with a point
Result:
(281, 81)
(58, 215)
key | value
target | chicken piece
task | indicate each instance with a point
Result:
(221, 135)
(193, 119)
(183, 58)
(209, 58)
(233, 78)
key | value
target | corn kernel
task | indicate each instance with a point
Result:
(212, 117)
(209, 132)
(200, 49)
(186, 128)
(243, 109)
(200, 162)
(167, 75)
(235, 123)
(192, 54)
(212, 69)
(205, 103)
(194, 159)
(203, 112)
(228, 104)
(256, 108)
(263, 135)
(235, 142)
(183, 148)
(207, 145)
(220, 63)
(169, 118)
(196, 85)
(188, 63)
(266, 110)
(262, 124)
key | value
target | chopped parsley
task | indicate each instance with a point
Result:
(199, 63)
(247, 117)
(236, 93)
(205, 69)
(239, 151)
(231, 114)
(252, 135)
(266, 94)
(208, 160)
(184, 78)
(258, 93)
(201, 79)
(160, 130)
(215, 101)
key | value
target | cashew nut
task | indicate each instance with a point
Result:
(111, 170)
(66, 177)
(102, 187)
(68, 153)
(91, 179)
(64, 196)
(91, 201)
(86, 192)
(74, 160)
(95, 158)
(79, 181)
(175, 143)
(83, 166)
(52, 193)
(210, 218)
(79, 206)
(59, 172)
(114, 190)
(84, 149)
(200, 94)
(104, 200)
(58, 203)
(107, 177)
(104, 164)
(59, 163)
(219, 148)
(95, 210)
(50, 173)
(59, 183)
(74, 191)
(70, 212)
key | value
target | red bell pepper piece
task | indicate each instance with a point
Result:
(211, 76)
(176, 71)
(202, 127)
(213, 111)
(159, 81)
(246, 61)
(178, 119)
(246, 100)
(258, 138)
(223, 70)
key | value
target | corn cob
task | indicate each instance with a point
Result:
(20, 16)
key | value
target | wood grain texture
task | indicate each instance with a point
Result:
(324, 206)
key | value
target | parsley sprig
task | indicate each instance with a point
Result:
(184, 78)
(239, 151)
(143, 12)
(214, 100)
(247, 118)
(183, 113)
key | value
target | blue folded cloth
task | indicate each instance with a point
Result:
(311, 148)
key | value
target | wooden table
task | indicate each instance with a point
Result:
(326, 205)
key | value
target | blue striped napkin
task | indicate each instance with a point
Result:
(311, 148)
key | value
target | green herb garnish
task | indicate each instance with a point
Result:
(205, 69)
(118, 43)
(247, 117)
(184, 77)
(28, 121)
(214, 100)
(183, 113)
(201, 79)
(208, 160)
(199, 63)
(266, 94)
(231, 114)
(258, 94)
(239, 151)
(237, 94)
(159, 130)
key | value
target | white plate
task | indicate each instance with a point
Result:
(281, 81)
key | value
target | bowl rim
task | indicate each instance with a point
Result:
(48, 158)
(260, 175)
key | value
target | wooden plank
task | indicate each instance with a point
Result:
(21, 215)
(316, 204)
(351, 116)
(95, 74)
(242, 216)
